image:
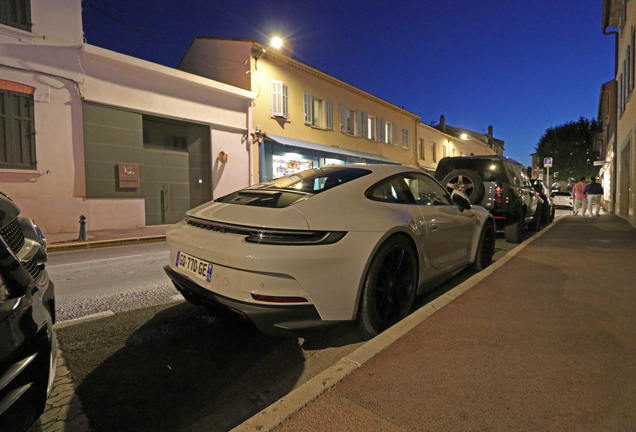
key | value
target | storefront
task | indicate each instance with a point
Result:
(280, 156)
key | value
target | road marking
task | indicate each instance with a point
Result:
(108, 259)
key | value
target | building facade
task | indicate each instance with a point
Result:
(87, 131)
(618, 111)
(301, 117)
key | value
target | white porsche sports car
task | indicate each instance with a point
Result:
(328, 245)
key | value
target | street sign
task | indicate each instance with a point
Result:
(547, 162)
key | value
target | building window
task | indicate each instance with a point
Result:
(444, 151)
(16, 13)
(165, 134)
(434, 152)
(453, 152)
(313, 111)
(370, 127)
(388, 132)
(351, 119)
(280, 99)
(317, 112)
(17, 131)
(422, 149)
(347, 120)
(405, 138)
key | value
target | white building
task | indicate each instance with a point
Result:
(78, 123)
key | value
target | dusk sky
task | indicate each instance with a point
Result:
(520, 66)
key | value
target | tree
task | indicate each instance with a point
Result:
(571, 147)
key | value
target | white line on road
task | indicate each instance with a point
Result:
(109, 259)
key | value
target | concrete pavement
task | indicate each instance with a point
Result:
(541, 340)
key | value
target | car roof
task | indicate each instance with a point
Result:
(483, 157)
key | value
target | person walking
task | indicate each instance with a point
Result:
(594, 191)
(579, 197)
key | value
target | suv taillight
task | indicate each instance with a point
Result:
(498, 195)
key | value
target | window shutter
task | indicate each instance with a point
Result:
(365, 125)
(277, 98)
(358, 123)
(379, 129)
(328, 115)
(285, 101)
(343, 118)
(395, 129)
(308, 108)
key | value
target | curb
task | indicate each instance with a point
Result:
(275, 414)
(103, 243)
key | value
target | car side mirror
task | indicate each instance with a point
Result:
(460, 200)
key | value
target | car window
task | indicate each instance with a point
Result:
(513, 174)
(393, 190)
(426, 191)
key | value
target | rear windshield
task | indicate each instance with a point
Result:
(487, 170)
(285, 191)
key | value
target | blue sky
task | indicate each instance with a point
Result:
(520, 66)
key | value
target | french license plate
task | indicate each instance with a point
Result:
(194, 266)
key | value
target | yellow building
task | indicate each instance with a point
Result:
(443, 140)
(617, 110)
(303, 118)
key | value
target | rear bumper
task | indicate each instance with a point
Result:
(272, 320)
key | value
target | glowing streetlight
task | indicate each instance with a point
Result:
(277, 42)
(464, 136)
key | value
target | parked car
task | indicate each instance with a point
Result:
(327, 246)
(28, 351)
(500, 185)
(547, 206)
(563, 200)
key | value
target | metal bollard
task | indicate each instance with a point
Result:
(82, 233)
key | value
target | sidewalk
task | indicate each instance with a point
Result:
(67, 241)
(541, 340)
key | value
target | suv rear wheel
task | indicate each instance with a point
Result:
(466, 181)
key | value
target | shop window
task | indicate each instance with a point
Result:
(16, 13)
(17, 130)
(291, 163)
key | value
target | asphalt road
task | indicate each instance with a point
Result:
(163, 364)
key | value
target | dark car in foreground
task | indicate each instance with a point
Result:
(498, 184)
(28, 353)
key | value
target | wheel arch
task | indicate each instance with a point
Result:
(389, 235)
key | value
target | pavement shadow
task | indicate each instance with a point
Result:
(174, 368)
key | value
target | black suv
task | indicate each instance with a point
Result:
(500, 185)
(28, 354)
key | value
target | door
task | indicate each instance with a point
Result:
(449, 230)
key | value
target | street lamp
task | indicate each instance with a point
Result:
(276, 42)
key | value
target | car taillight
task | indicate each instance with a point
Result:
(294, 237)
(278, 299)
(498, 195)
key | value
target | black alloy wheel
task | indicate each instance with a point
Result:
(486, 248)
(390, 286)
(465, 181)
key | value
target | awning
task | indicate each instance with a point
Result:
(352, 156)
